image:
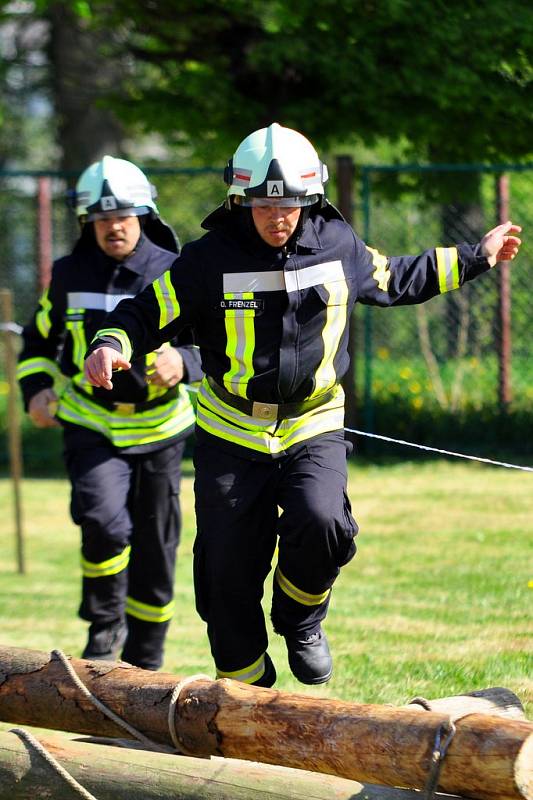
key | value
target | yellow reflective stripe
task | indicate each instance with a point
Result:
(42, 317)
(448, 268)
(381, 272)
(219, 419)
(304, 598)
(120, 335)
(240, 344)
(149, 613)
(79, 341)
(336, 312)
(145, 427)
(169, 308)
(112, 566)
(247, 674)
(32, 366)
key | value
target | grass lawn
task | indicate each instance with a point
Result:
(435, 603)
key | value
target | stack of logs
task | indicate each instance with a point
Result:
(228, 733)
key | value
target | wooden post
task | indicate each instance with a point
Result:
(504, 307)
(44, 231)
(488, 758)
(13, 422)
(115, 773)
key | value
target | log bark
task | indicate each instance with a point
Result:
(489, 757)
(114, 773)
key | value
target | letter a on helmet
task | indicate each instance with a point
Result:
(113, 185)
(276, 163)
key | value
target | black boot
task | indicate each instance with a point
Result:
(105, 640)
(309, 657)
(268, 678)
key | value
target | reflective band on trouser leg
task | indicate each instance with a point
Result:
(448, 268)
(149, 613)
(240, 336)
(250, 674)
(304, 598)
(112, 566)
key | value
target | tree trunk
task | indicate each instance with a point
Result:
(489, 757)
(81, 73)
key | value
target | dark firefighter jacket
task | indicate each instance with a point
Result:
(272, 324)
(85, 285)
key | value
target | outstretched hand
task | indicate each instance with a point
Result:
(100, 364)
(501, 243)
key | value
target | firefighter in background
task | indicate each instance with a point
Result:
(122, 449)
(269, 290)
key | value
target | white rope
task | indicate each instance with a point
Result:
(11, 327)
(48, 757)
(174, 697)
(438, 450)
(158, 748)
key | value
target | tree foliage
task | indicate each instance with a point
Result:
(454, 78)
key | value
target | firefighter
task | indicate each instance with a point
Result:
(269, 289)
(122, 449)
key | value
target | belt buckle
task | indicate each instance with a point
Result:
(266, 411)
(125, 409)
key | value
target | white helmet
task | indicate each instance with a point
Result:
(115, 186)
(276, 164)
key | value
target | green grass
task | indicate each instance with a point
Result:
(435, 603)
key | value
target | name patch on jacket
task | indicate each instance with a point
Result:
(248, 305)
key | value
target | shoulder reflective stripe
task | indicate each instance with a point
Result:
(335, 326)
(149, 613)
(96, 301)
(32, 366)
(112, 566)
(120, 335)
(315, 275)
(240, 344)
(42, 317)
(304, 598)
(169, 308)
(381, 272)
(448, 268)
(77, 331)
(253, 282)
(247, 674)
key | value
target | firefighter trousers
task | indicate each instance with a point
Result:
(127, 506)
(244, 508)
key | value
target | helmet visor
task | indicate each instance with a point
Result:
(277, 202)
(117, 212)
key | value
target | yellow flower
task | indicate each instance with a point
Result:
(406, 373)
(383, 353)
(415, 387)
(417, 403)
(4, 387)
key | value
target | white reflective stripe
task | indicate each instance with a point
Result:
(277, 281)
(253, 282)
(96, 301)
(315, 275)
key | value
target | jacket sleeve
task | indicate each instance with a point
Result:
(405, 280)
(157, 314)
(192, 363)
(42, 337)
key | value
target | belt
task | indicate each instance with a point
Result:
(127, 409)
(269, 411)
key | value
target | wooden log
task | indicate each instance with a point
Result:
(114, 773)
(489, 757)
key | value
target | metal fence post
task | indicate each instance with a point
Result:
(504, 302)
(345, 202)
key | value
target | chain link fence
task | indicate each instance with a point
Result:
(455, 371)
